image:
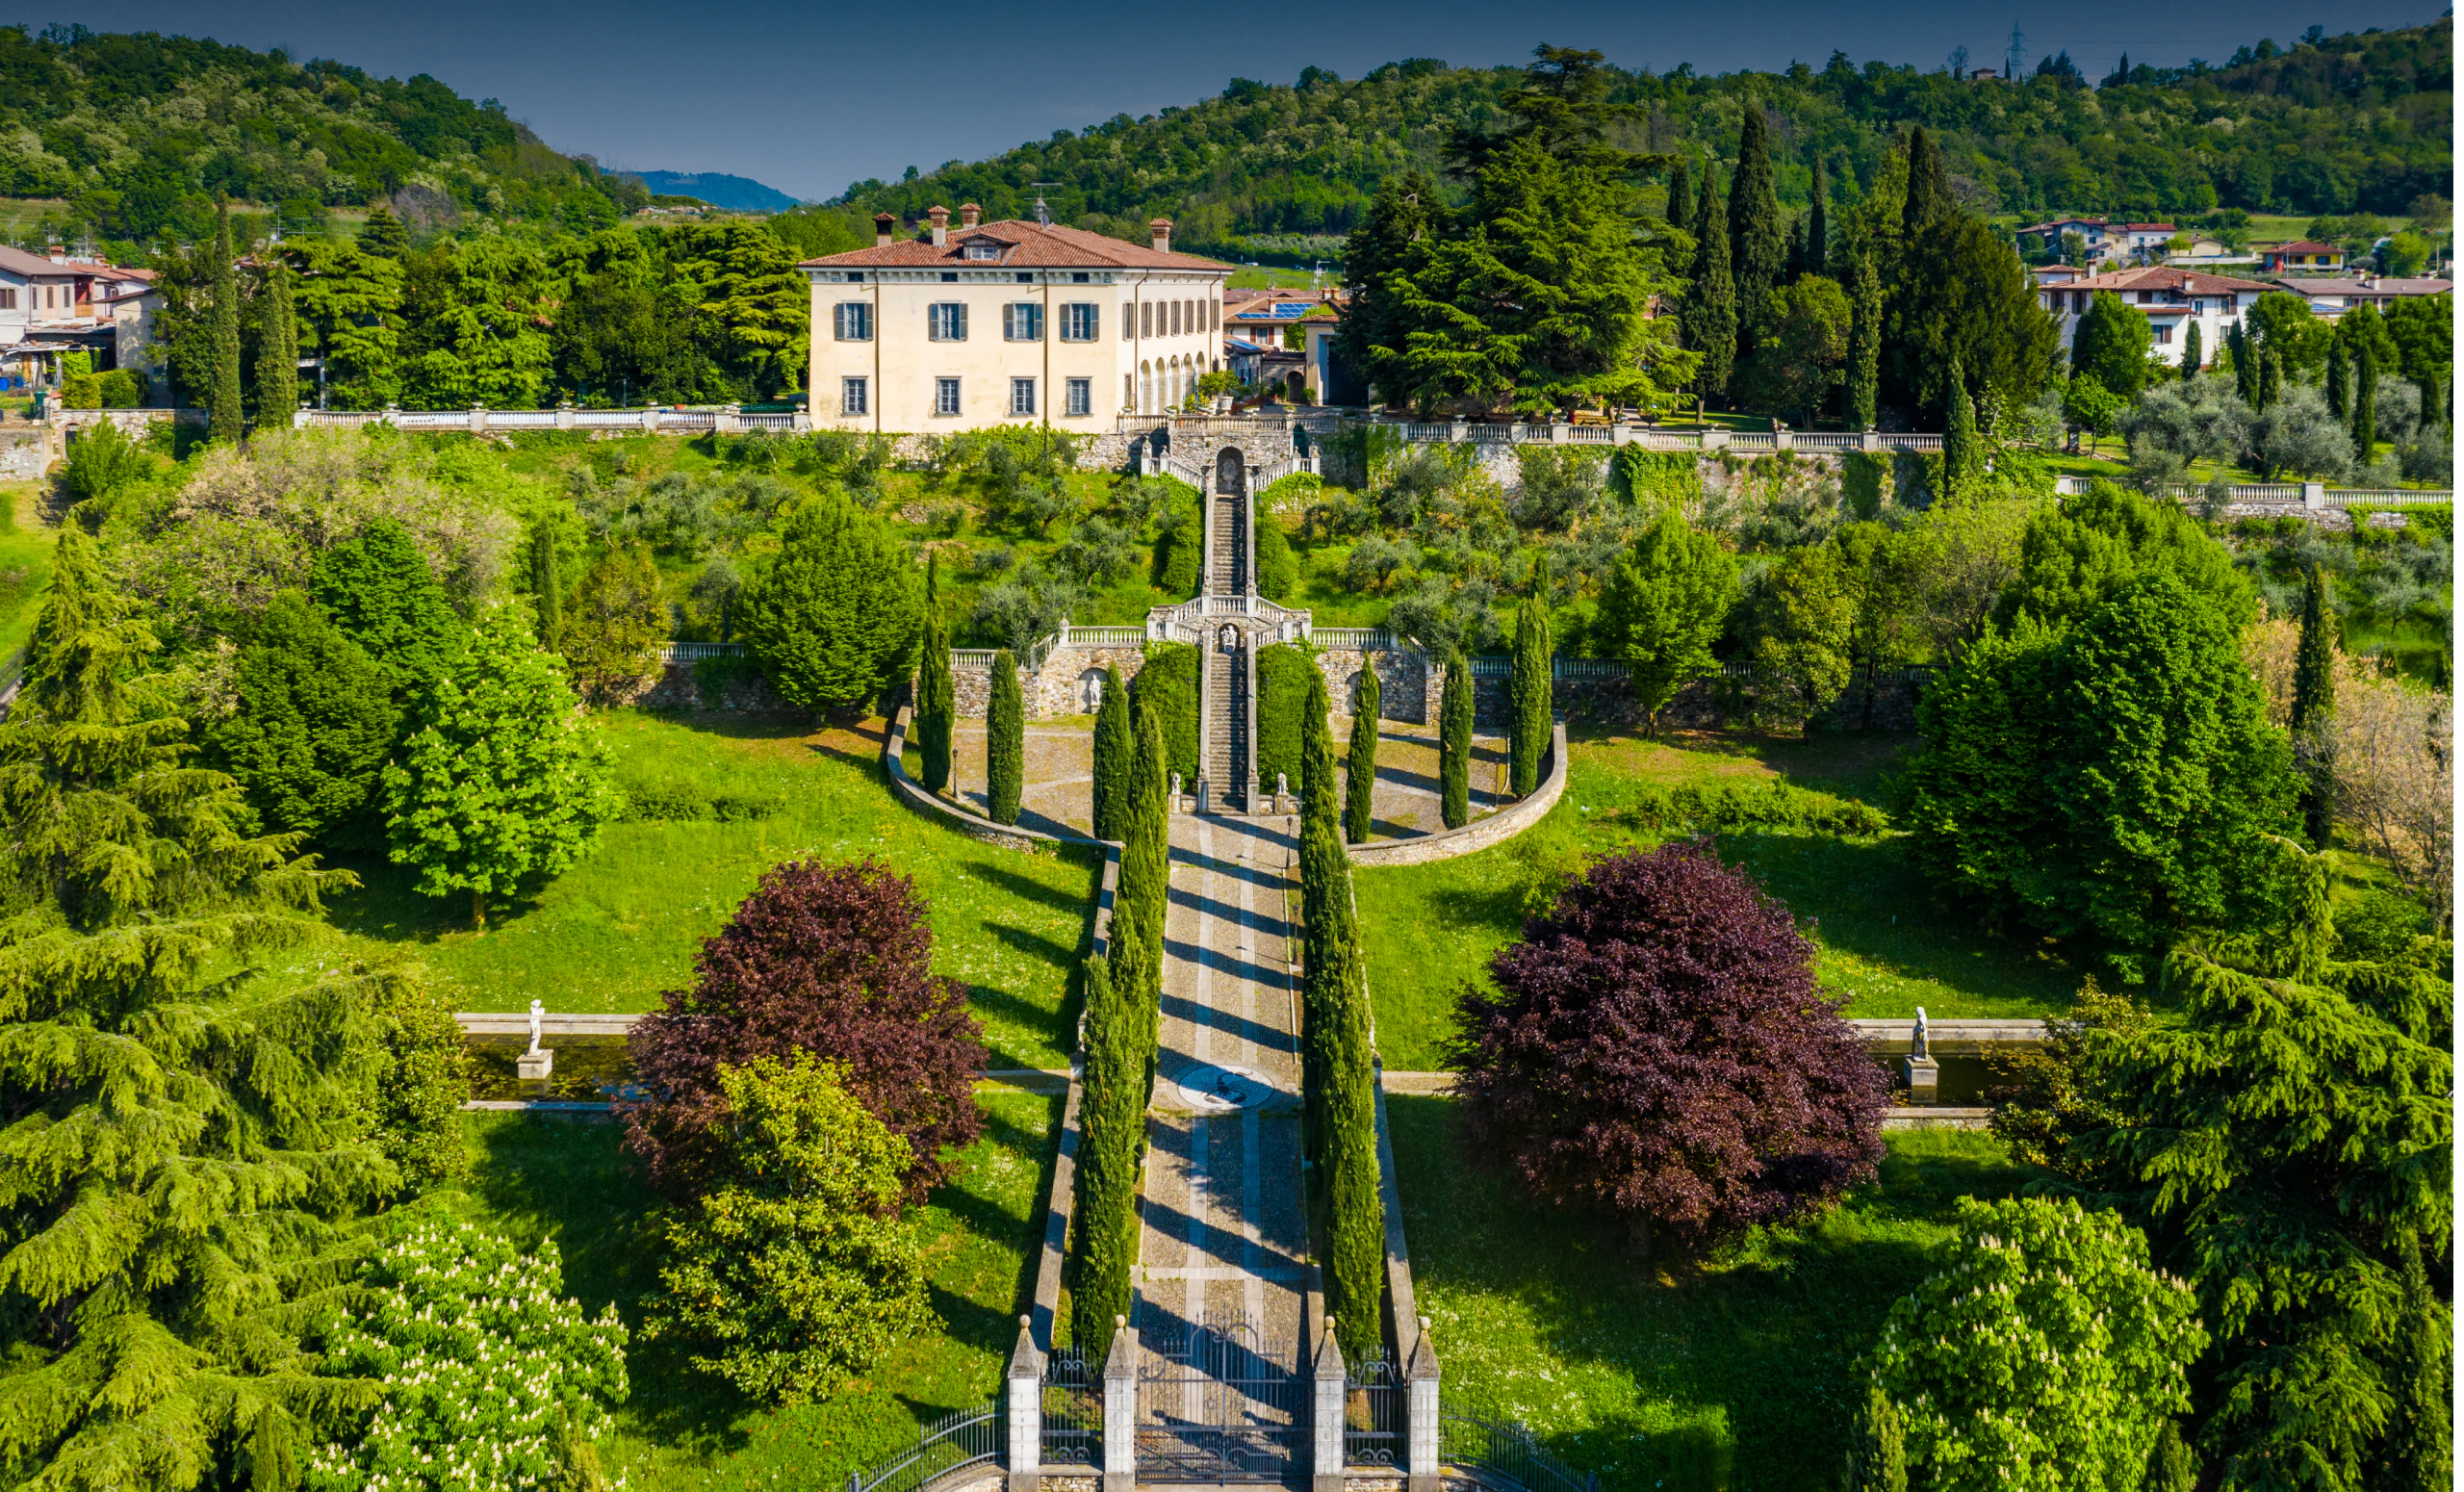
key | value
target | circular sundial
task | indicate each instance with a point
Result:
(1213, 1090)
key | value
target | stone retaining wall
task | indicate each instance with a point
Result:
(1480, 834)
(1404, 690)
(674, 688)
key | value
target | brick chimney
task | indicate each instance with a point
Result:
(970, 214)
(940, 216)
(1160, 233)
(884, 228)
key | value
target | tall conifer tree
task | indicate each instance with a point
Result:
(277, 348)
(2365, 404)
(936, 689)
(1005, 742)
(1929, 186)
(1116, 752)
(1864, 344)
(1534, 686)
(2245, 364)
(1103, 1232)
(1756, 243)
(1709, 319)
(2339, 379)
(1454, 744)
(1679, 211)
(226, 420)
(1145, 865)
(1818, 223)
(1963, 463)
(2271, 376)
(1360, 766)
(2193, 354)
(2314, 701)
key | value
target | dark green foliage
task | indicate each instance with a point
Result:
(1116, 749)
(936, 699)
(1531, 693)
(1733, 806)
(2076, 557)
(423, 1078)
(2271, 376)
(1454, 745)
(1167, 685)
(382, 236)
(834, 614)
(1278, 568)
(1818, 221)
(2170, 1466)
(1284, 671)
(2339, 380)
(1142, 899)
(1005, 742)
(188, 1143)
(1338, 1077)
(277, 350)
(2421, 1449)
(1928, 199)
(1103, 1221)
(1709, 316)
(2114, 780)
(1877, 1446)
(2111, 345)
(1963, 463)
(1864, 342)
(1679, 210)
(226, 421)
(380, 591)
(1391, 242)
(1959, 294)
(547, 587)
(314, 724)
(2365, 404)
(2314, 701)
(1360, 763)
(1755, 239)
(1180, 544)
(2245, 364)
(2194, 355)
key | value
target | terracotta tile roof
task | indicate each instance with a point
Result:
(2305, 246)
(2158, 277)
(16, 261)
(1023, 246)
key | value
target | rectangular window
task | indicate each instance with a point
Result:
(1081, 393)
(1022, 321)
(946, 321)
(1147, 318)
(1080, 277)
(1176, 319)
(853, 397)
(7, 300)
(2164, 335)
(1079, 321)
(1022, 396)
(946, 396)
(855, 321)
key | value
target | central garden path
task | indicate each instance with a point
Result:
(1227, 1238)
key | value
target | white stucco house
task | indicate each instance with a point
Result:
(2173, 300)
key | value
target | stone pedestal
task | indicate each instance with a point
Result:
(532, 1068)
(1924, 1079)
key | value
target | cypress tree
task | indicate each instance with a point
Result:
(1961, 461)
(2314, 703)
(2194, 355)
(1103, 1223)
(937, 692)
(1454, 744)
(1005, 742)
(2365, 404)
(2339, 379)
(547, 587)
(1679, 211)
(381, 236)
(1116, 749)
(1878, 1447)
(2422, 1441)
(1864, 344)
(1140, 902)
(1754, 237)
(1708, 319)
(1338, 1077)
(1929, 186)
(1796, 259)
(1818, 223)
(2271, 376)
(277, 349)
(2245, 367)
(226, 420)
(1534, 687)
(1360, 766)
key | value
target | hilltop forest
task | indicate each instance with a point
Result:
(2328, 125)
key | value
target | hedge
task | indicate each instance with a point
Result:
(1167, 684)
(1181, 550)
(1278, 568)
(1762, 805)
(1284, 671)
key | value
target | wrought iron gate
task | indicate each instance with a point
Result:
(1211, 1408)
(1073, 1412)
(1374, 1413)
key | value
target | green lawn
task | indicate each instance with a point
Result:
(1884, 939)
(25, 563)
(1733, 1374)
(623, 927)
(538, 1176)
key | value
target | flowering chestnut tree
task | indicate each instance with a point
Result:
(2048, 1355)
(1659, 1049)
(489, 1370)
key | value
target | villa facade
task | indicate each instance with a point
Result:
(1004, 323)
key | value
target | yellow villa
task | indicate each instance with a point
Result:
(997, 322)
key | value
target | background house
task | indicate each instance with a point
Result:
(2304, 256)
(2172, 301)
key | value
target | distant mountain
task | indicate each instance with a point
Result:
(737, 194)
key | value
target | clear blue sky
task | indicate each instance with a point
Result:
(809, 97)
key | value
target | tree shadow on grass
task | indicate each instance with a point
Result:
(1747, 1354)
(1029, 889)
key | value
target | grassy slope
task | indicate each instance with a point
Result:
(622, 927)
(1654, 1378)
(25, 563)
(545, 1178)
(1884, 939)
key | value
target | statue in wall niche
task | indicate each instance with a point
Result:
(1919, 1044)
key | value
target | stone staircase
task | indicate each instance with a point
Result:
(1227, 573)
(1226, 767)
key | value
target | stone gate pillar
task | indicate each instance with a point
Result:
(1120, 1409)
(1421, 1411)
(1025, 1410)
(1327, 1417)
